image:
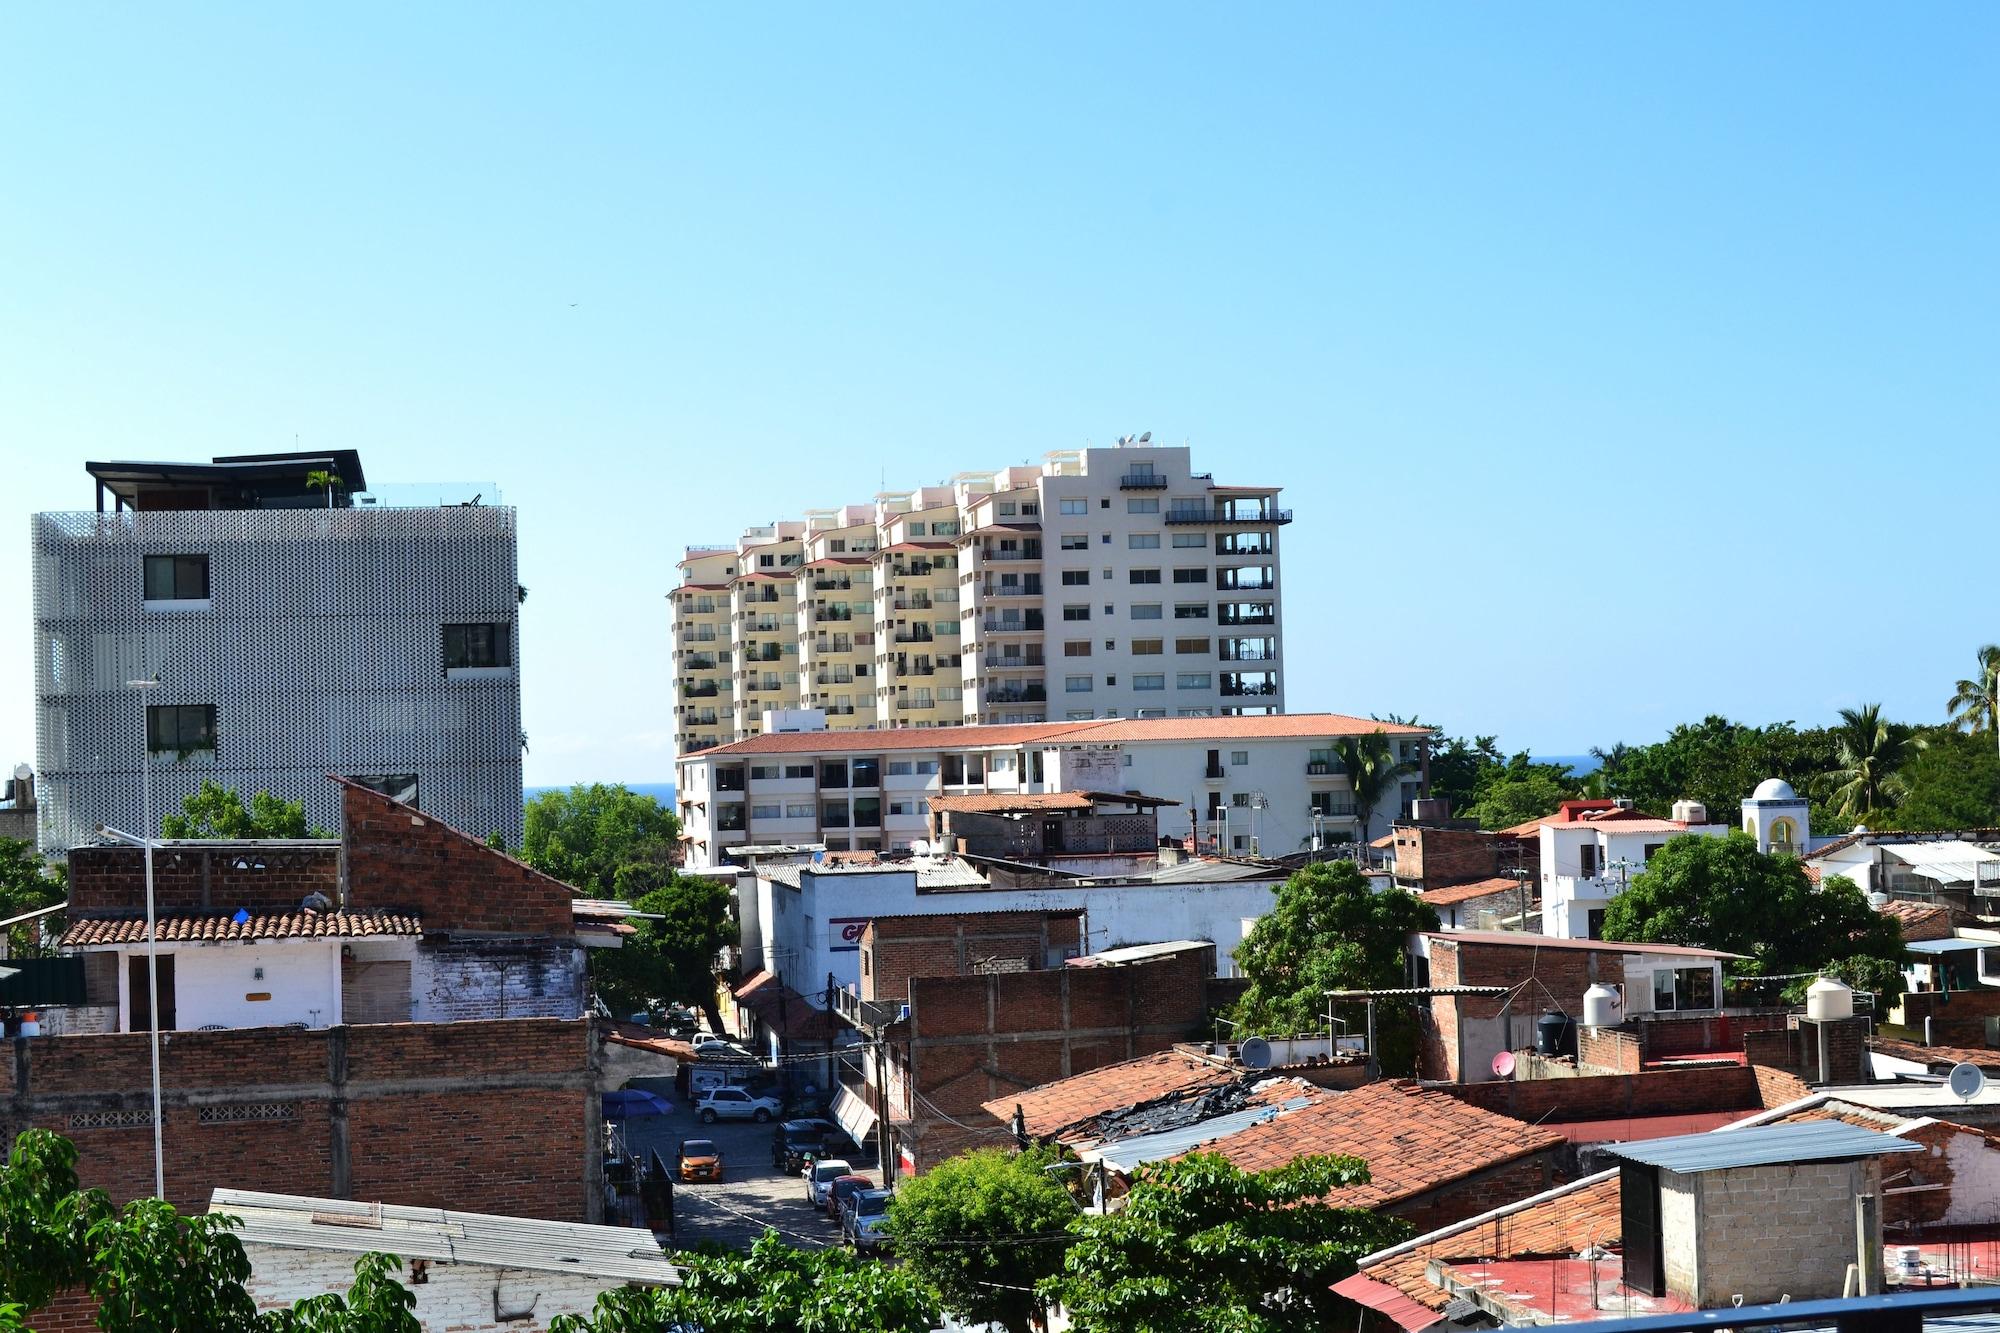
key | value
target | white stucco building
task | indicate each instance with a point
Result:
(1588, 858)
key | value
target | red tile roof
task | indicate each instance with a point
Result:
(1521, 939)
(1921, 921)
(1413, 1139)
(999, 804)
(185, 928)
(1284, 726)
(649, 1039)
(1938, 1057)
(1458, 893)
(1067, 1101)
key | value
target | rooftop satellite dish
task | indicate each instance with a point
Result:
(1254, 1053)
(1966, 1080)
(1147, 438)
(1503, 1065)
(22, 772)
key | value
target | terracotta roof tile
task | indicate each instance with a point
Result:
(1458, 893)
(1413, 1139)
(1938, 1057)
(1561, 1223)
(1922, 921)
(201, 928)
(1110, 1088)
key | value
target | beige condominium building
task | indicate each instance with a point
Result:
(1104, 583)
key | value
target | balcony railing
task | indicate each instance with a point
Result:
(1248, 689)
(1029, 624)
(705, 690)
(1013, 663)
(1019, 694)
(1226, 616)
(823, 614)
(1010, 555)
(914, 634)
(832, 585)
(699, 662)
(911, 603)
(1142, 481)
(1218, 516)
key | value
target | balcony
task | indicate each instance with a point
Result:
(1028, 624)
(1225, 517)
(913, 634)
(1248, 689)
(911, 603)
(698, 662)
(1142, 481)
(834, 678)
(1213, 773)
(705, 690)
(769, 652)
(1231, 616)
(1016, 694)
(824, 614)
(1010, 555)
(832, 585)
(915, 705)
(1318, 768)
(1012, 590)
(1013, 663)
(1227, 551)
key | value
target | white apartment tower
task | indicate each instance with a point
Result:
(295, 629)
(1104, 583)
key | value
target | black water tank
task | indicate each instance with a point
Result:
(1555, 1035)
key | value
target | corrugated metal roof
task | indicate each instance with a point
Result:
(1943, 946)
(617, 1254)
(1765, 1145)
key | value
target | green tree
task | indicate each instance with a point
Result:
(581, 836)
(1372, 770)
(1718, 762)
(320, 479)
(27, 884)
(983, 1229)
(773, 1289)
(673, 958)
(1329, 931)
(1975, 703)
(1869, 752)
(218, 812)
(1722, 893)
(1203, 1247)
(1517, 798)
(1460, 770)
(1952, 783)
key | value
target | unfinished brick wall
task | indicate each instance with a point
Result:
(897, 948)
(1609, 1050)
(1564, 974)
(200, 879)
(1795, 1050)
(1617, 1096)
(1441, 857)
(1776, 1087)
(400, 859)
(486, 1117)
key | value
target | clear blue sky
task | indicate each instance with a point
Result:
(1622, 363)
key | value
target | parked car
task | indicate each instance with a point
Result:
(735, 1104)
(700, 1159)
(721, 1048)
(795, 1140)
(864, 1220)
(820, 1179)
(842, 1188)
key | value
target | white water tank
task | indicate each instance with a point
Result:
(1602, 1007)
(1690, 812)
(1828, 1001)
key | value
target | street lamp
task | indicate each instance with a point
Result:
(152, 924)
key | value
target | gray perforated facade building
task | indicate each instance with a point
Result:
(291, 638)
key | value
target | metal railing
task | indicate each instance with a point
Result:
(1142, 481)
(1268, 516)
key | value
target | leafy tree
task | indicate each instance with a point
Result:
(26, 884)
(1518, 797)
(980, 1229)
(1722, 893)
(1329, 931)
(1372, 770)
(1460, 770)
(773, 1289)
(671, 959)
(1870, 752)
(1718, 762)
(1204, 1247)
(1975, 704)
(1953, 782)
(218, 812)
(583, 835)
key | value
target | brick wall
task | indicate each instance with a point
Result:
(1958, 1004)
(1563, 973)
(895, 949)
(1612, 1050)
(1795, 1049)
(1440, 857)
(1481, 1192)
(71, 1312)
(485, 1117)
(400, 859)
(113, 879)
(456, 979)
(1616, 1096)
(1775, 1086)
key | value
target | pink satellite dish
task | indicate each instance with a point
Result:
(1503, 1064)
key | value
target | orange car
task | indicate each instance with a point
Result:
(700, 1160)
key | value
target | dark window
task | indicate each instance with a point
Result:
(180, 728)
(1594, 926)
(175, 578)
(1143, 575)
(1190, 576)
(477, 646)
(867, 773)
(833, 773)
(1587, 860)
(1073, 577)
(396, 786)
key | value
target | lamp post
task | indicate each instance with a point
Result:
(152, 927)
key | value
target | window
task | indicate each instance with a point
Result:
(1192, 680)
(1144, 681)
(899, 807)
(1191, 611)
(1111, 680)
(1006, 508)
(1147, 647)
(1075, 541)
(1239, 800)
(1031, 509)
(1143, 541)
(1075, 506)
(1683, 988)
(1145, 611)
(765, 811)
(1142, 576)
(1239, 756)
(763, 772)
(927, 766)
(476, 646)
(1003, 763)
(180, 728)
(1104, 504)
(176, 578)
(798, 770)
(1077, 648)
(1105, 539)
(1594, 924)
(1190, 541)
(798, 809)
(1191, 575)
(1190, 645)
(1141, 506)
(867, 771)
(1076, 684)
(1075, 578)
(1078, 715)
(1076, 611)
(833, 773)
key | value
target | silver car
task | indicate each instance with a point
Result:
(820, 1178)
(736, 1104)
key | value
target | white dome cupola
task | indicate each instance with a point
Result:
(1778, 818)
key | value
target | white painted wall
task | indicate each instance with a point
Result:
(456, 1297)
(212, 983)
(1568, 895)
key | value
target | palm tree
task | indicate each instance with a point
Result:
(319, 479)
(1869, 750)
(1976, 705)
(1372, 769)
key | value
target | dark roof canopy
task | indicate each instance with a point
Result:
(247, 481)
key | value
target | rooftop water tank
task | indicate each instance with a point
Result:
(1828, 1001)
(1690, 812)
(1555, 1035)
(1602, 1007)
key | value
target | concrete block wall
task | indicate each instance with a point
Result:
(1763, 1233)
(465, 1298)
(459, 978)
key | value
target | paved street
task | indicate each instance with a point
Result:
(752, 1195)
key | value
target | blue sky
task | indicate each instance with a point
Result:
(1622, 364)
